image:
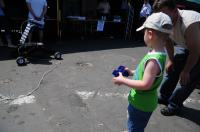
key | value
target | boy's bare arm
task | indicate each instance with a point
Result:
(151, 71)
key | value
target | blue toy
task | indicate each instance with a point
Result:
(122, 70)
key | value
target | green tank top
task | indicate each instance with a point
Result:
(146, 100)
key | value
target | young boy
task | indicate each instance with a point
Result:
(148, 74)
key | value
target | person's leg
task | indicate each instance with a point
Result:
(171, 79)
(40, 30)
(8, 33)
(182, 93)
(137, 120)
(30, 36)
(1, 33)
(4, 26)
(43, 47)
(35, 34)
(41, 35)
(9, 40)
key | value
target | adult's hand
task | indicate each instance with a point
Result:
(169, 66)
(170, 50)
(38, 18)
(184, 78)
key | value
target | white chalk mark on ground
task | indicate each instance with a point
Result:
(23, 100)
(89, 94)
(190, 100)
(85, 94)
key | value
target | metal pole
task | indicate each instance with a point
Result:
(58, 19)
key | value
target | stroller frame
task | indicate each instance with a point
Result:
(26, 48)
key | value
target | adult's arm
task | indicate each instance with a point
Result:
(44, 11)
(170, 50)
(31, 10)
(192, 36)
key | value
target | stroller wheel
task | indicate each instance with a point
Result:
(58, 55)
(21, 61)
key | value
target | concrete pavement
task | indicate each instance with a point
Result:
(76, 94)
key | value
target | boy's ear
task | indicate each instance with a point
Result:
(150, 34)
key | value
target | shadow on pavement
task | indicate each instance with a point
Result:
(190, 114)
(38, 57)
(73, 46)
(7, 53)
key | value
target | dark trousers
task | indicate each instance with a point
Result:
(5, 33)
(169, 91)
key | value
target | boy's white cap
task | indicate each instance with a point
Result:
(158, 21)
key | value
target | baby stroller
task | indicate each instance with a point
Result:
(25, 48)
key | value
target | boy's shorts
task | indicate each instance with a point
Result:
(137, 119)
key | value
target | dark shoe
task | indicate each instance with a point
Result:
(161, 101)
(168, 112)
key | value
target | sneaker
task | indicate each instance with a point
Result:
(161, 101)
(168, 112)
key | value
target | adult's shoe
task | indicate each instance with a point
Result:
(168, 112)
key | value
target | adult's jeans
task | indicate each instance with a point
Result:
(169, 91)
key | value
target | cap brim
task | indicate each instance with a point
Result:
(140, 28)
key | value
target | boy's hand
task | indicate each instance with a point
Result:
(118, 80)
